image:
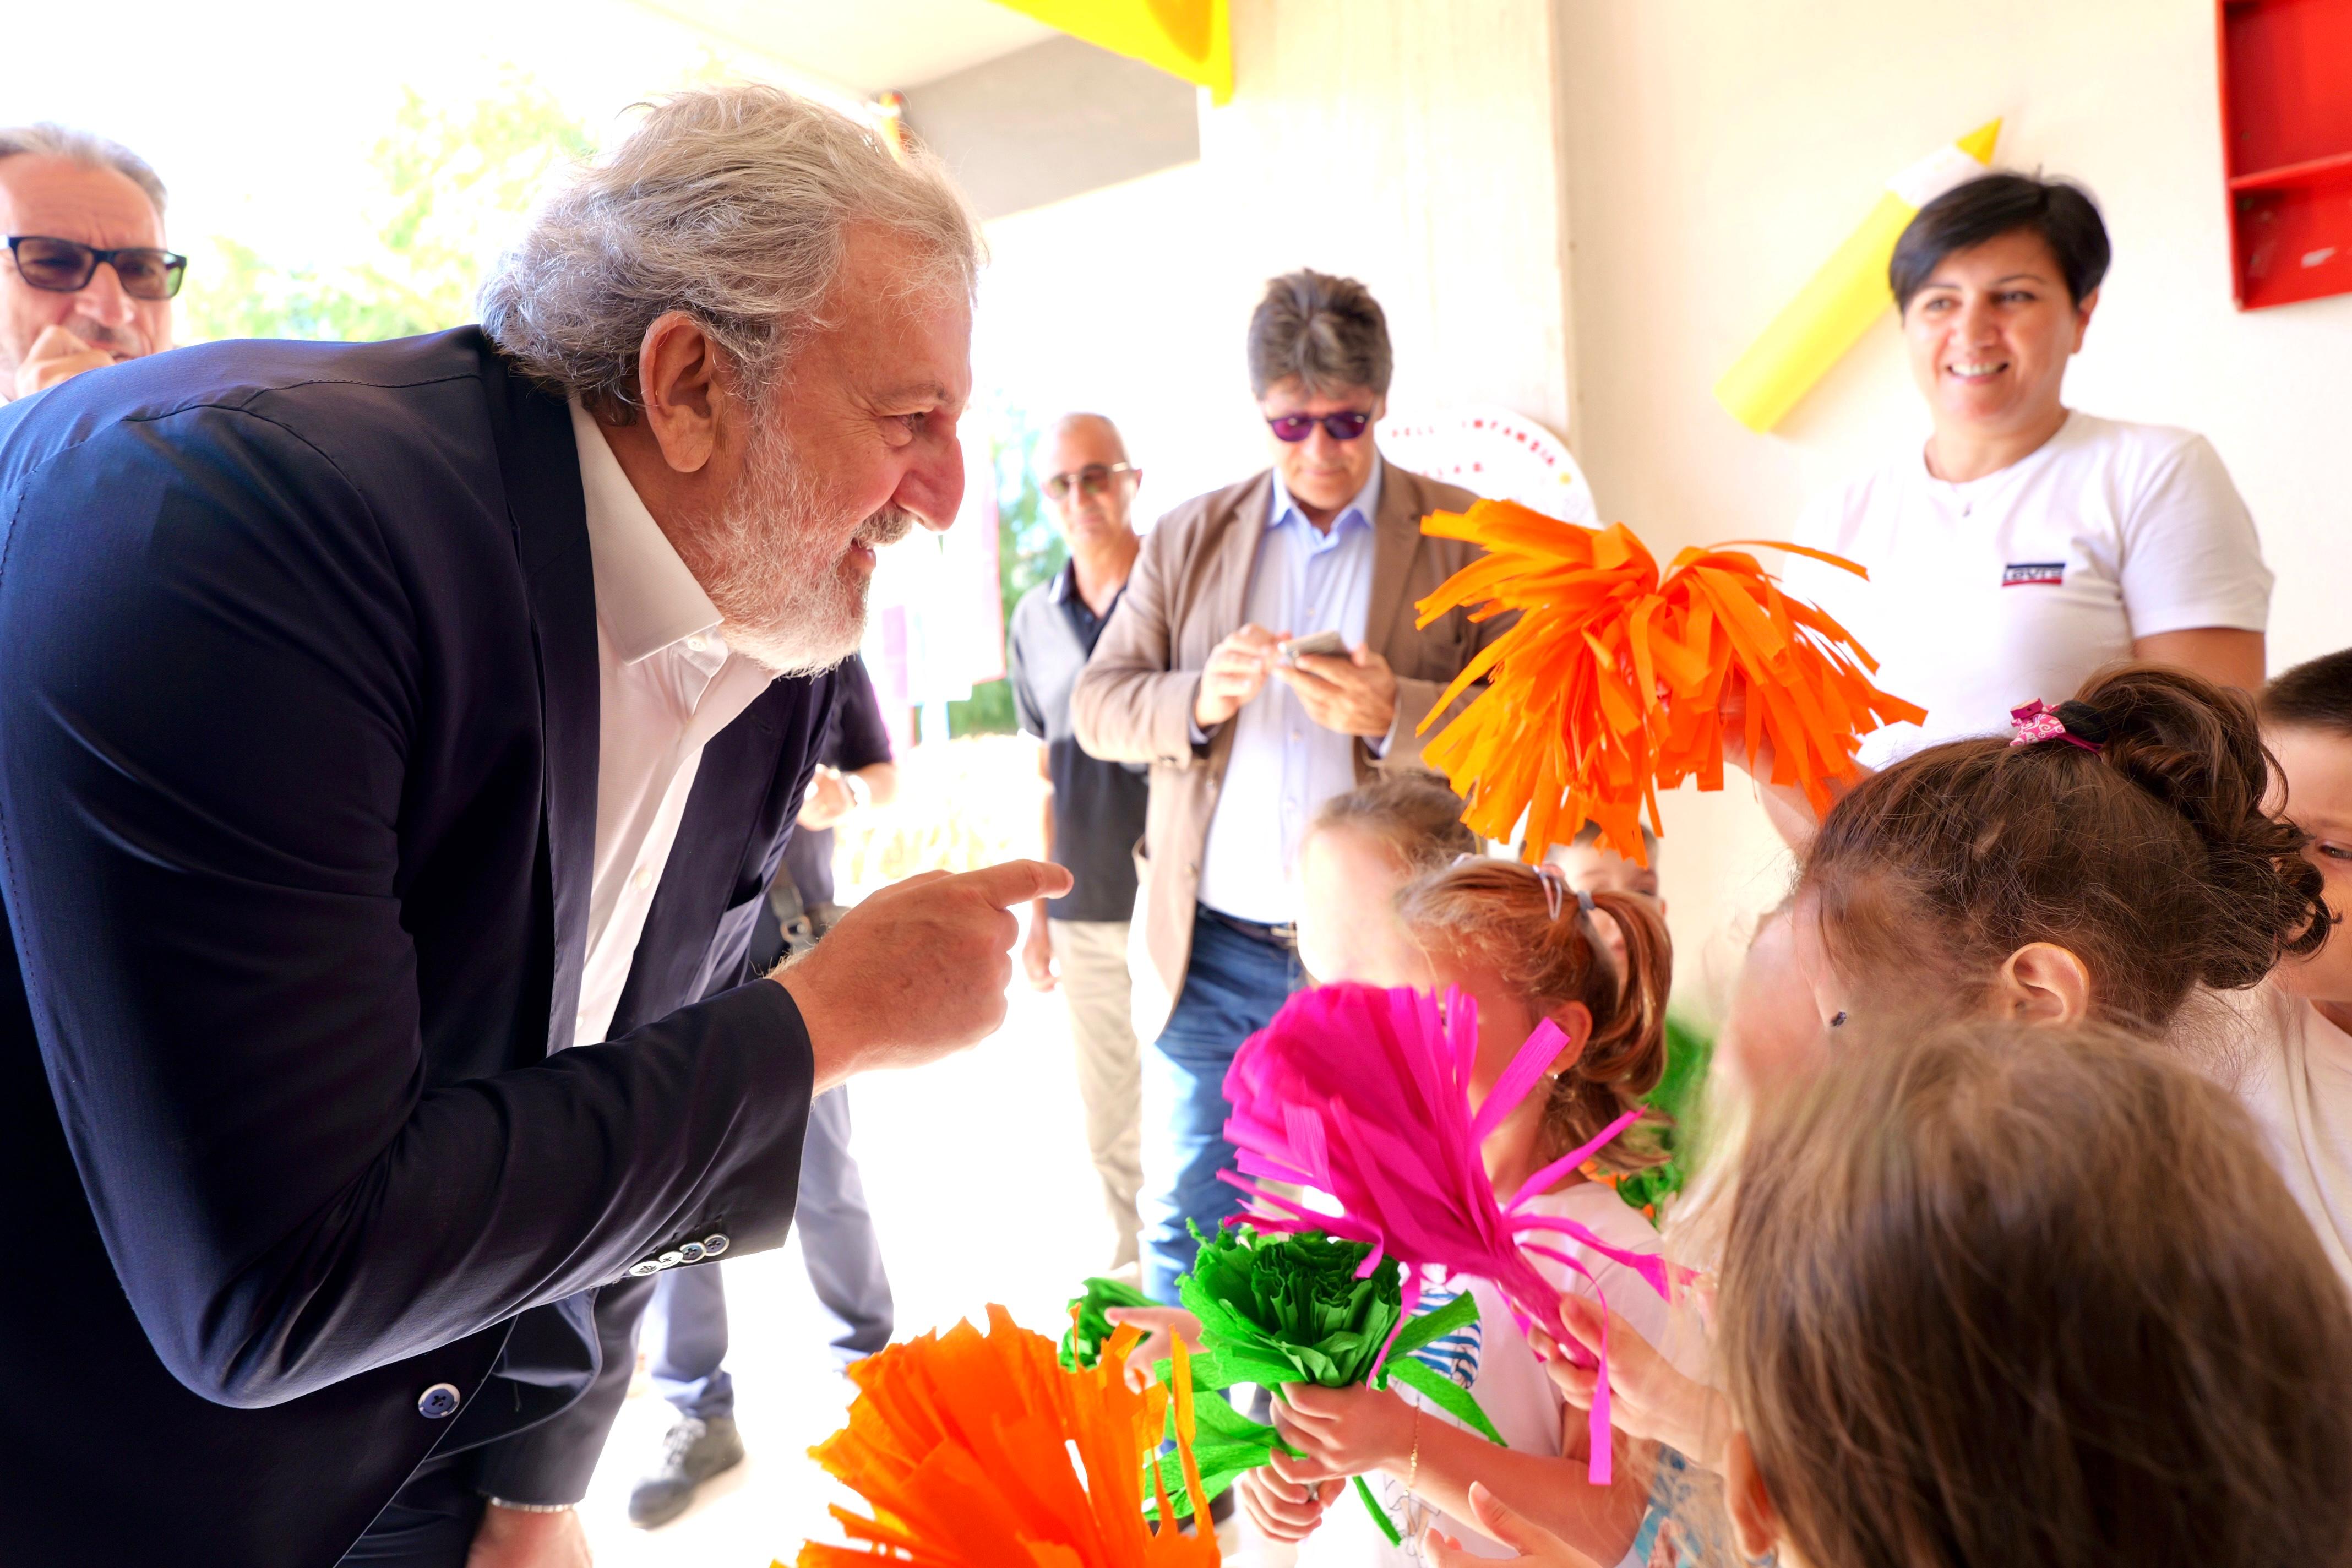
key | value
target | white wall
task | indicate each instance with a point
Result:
(1719, 149)
(1413, 145)
(1095, 303)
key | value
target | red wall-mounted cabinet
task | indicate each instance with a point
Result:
(2286, 130)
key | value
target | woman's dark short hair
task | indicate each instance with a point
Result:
(1992, 205)
(1326, 332)
(2314, 695)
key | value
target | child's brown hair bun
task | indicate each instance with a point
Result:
(2198, 747)
(2137, 840)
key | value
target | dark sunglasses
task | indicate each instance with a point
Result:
(66, 267)
(1093, 479)
(1344, 426)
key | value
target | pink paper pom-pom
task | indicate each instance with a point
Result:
(1364, 1095)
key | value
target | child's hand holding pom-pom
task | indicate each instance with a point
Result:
(1160, 1326)
(1344, 1432)
(1648, 1397)
(1282, 1508)
(1532, 1541)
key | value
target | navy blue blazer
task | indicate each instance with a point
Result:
(297, 791)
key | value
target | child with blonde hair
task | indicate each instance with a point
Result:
(1523, 947)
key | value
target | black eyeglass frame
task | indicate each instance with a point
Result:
(1057, 487)
(175, 265)
(1304, 424)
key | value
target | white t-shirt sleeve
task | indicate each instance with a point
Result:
(2191, 556)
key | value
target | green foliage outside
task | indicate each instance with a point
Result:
(1029, 550)
(445, 190)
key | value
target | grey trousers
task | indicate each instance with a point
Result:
(687, 1327)
(1093, 959)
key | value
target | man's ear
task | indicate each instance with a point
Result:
(684, 390)
(2042, 983)
(1755, 1522)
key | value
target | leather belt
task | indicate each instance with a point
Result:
(1283, 936)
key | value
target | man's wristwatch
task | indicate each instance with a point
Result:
(530, 1507)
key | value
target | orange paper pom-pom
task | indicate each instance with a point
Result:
(1617, 680)
(964, 1444)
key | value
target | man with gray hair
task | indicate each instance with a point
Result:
(1263, 659)
(397, 744)
(88, 282)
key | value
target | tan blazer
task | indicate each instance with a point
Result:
(1133, 702)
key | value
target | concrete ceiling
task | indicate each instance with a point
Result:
(868, 46)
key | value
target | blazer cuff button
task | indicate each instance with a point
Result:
(712, 1246)
(438, 1401)
(645, 1270)
(690, 1251)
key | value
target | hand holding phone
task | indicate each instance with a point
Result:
(1326, 645)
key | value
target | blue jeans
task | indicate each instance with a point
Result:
(1232, 987)
(844, 1267)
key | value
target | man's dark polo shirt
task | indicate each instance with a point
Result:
(1098, 807)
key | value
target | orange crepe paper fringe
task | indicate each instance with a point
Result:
(962, 1444)
(1616, 681)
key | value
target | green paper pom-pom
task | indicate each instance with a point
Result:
(1090, 1325)
(1289, 1309)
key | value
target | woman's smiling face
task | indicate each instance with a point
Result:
(1990, 334)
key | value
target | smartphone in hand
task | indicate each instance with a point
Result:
(1328, 644)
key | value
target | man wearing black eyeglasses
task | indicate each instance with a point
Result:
(1266, 658)
(87, 282)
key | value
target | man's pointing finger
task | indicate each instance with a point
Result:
(1018, 881)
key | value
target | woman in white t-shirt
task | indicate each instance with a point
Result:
(2026, 544)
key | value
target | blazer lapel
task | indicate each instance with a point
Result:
(1396, 535)
(539, 462)
(1236, 555)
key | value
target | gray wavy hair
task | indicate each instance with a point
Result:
(732, 205)
(49, 139)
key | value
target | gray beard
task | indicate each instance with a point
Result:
(784, 602)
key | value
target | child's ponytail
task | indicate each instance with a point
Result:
(1548, 946)
(1628, 1047)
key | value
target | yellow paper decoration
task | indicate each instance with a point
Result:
(1190, 39)
(1832, 311)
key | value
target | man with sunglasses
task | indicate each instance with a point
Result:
(1206, 673)
(1094, 809)
(87, 282)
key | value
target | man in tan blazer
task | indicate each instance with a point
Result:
(1244, 741)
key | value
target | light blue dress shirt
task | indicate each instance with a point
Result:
(1283, 764)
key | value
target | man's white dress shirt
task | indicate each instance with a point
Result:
(665, 684)
(1284, 765)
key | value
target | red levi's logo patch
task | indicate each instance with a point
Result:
(2017, 573)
